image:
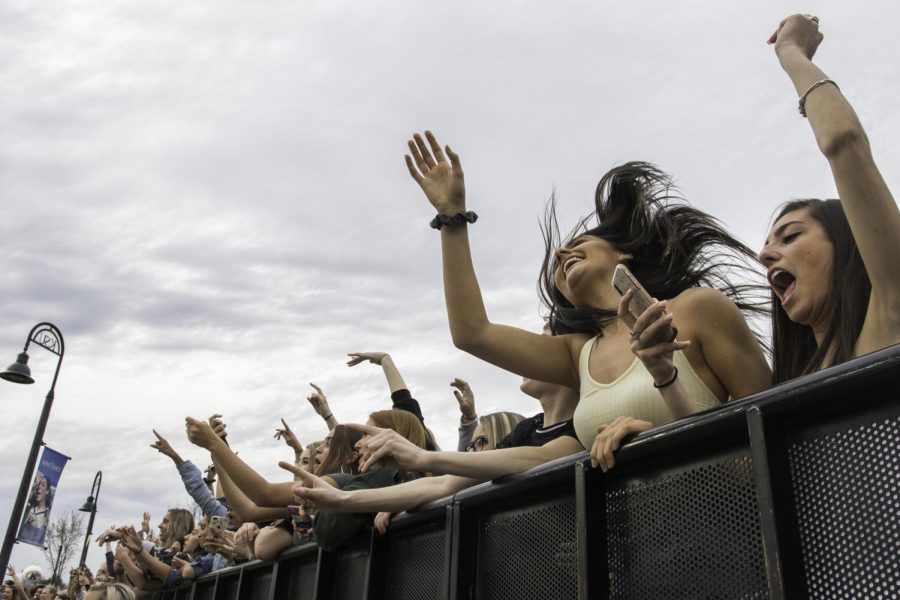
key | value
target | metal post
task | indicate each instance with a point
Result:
(52, 340)
(93, 499)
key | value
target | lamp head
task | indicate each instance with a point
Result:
(18, 372)
(89, 505)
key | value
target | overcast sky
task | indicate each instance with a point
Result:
(209, 198)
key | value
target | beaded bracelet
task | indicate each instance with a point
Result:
(453, 220)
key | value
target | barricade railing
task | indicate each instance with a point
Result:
(791, 493)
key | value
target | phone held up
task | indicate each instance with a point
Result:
(217, 526)
(623, 281)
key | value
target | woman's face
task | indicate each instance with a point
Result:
(799, 258)
(304, 460)
(324, 448)
(583, 264)
(41, 489)
(480, 440)
(164, 526)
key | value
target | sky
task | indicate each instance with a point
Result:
(209, 199)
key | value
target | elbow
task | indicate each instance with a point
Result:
(466, 339)
(849, 138)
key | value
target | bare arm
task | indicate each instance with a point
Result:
(868, 203)
(405, 496)
(260, 491)
(539, 357)
(242, 506)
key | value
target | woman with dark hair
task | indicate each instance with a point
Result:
(832, 264)
(670, 247)
(38, 510)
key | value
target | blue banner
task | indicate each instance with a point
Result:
(40, 500)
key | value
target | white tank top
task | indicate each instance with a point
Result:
(631, 395)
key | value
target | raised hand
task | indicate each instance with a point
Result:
(373, 357)
(131, 539)
(111, 534)
(442, 181)
(319, 402)
(200, 433)
(163, 446)
(218, 425)
(800, 31)
(609, 438)
(465, 397)
(313, 492)
(389, 446)
(145, 524)
(650, 337)
(287, 434)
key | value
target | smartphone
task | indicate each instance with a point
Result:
(217, 526)
(623, 280)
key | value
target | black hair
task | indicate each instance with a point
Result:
(674, 247)
(795, 351)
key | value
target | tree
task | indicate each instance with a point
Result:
(64, 537)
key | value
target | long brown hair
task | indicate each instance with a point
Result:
(403, 422)
(794, 348)
(181, 523)
(342, 456)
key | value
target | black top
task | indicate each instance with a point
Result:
(531, 432)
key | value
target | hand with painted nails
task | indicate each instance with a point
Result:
(440, 179)
(651, 337)
(465, 397)
(609, 438)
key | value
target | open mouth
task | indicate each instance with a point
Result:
(782, 282)
(571, 261)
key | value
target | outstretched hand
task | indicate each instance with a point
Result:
(800, 31)
(388, 446)
(163, 446)
(319, 402)
(287, 434)
(465, 397)
(373, 357)
(200, 433)
(652, 337)
(442, 181)
(313, 492)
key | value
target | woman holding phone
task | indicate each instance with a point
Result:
(832, 264)
(670, 247)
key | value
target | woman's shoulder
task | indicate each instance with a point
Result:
(705, 306)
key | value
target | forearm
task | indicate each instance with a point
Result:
(833, 120)
(156, 566)
(465, 306)
(391, 374)
(678, 400)
(246, 510)
(492, 464)
(133, 573)
(251, 483)
(198, 490)
(404, 496)
(467, 427)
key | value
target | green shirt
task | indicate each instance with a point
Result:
(331, 529)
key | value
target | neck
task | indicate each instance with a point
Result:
(558, 406)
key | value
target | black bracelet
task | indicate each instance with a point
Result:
(669, 382)
(328, 417)
(453, 220)
(208, 481)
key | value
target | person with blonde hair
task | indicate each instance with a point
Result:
(492, 429)
(109, 591)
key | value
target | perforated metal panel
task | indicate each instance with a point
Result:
(302, 580)
(227, 588)
(350, 573)
(415, 566)
(688, 533)
(256, 584)
(205, 590)
(847, 497)
(529, 554)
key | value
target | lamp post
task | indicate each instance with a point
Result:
(90, 506)
(49, 337)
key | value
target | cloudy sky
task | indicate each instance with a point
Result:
(209, 199)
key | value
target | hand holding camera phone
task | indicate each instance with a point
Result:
(624, 281)
(217, 527)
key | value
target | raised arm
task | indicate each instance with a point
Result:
(320, 404)
(314, 492)
(260, 491)
(242, 506)
(539, 357)
(870, 208)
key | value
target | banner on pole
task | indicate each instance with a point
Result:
(40, 500)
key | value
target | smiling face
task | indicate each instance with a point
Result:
(583, 271)
(799, 258)
(41, 489)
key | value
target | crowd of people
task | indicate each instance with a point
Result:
(600, 369)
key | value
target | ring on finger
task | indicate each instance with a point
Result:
(635, 335)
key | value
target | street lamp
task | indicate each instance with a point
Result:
(90, 506)
(49, 337)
